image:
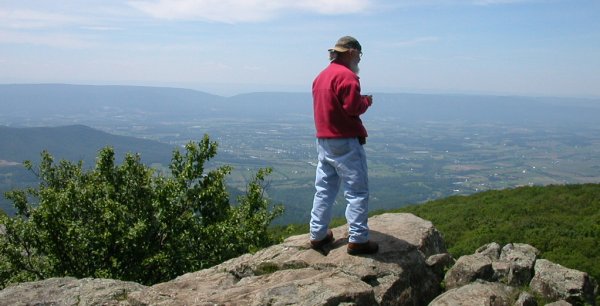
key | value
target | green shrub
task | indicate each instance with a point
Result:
(562, 221)
(127, 222)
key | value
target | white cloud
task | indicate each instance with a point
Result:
(234, 11)
(332, 7)
(31, 19)
(101, 28)
(412, 3)
(52, 40)
(44, 27)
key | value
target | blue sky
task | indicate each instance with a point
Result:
(226, 47)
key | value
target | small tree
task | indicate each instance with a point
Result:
(126, 222)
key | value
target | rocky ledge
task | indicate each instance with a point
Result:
(407, 270)
(496, 275)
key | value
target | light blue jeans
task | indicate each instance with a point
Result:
(342, 161)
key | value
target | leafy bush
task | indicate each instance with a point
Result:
(127, 222)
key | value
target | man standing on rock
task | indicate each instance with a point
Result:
(337, 104)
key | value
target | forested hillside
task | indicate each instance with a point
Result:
(74, 143)
(562, 221)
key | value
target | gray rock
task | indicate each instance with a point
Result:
(491, 250)
(467, 269)
(559, 303)
(440, 262)
(555, 282)
(514, 265)
(69, 291)
(293, 274)
(525, 299)
(521, 260)
(511, 264)
(502, 270)
(478, 293)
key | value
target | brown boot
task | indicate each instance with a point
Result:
(368, 247)
(319, 244)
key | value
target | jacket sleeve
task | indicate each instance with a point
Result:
(353, 103)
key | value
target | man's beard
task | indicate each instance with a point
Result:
(354, 67)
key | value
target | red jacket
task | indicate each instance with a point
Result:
(337, 103)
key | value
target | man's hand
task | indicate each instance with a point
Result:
(369, 99)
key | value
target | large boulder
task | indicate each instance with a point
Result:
(478, 293)
(495, 275)
(69, 291)
(292, 273)
(559, 303)
(520, 259)
(467, 269)
(511, 264)
(555, 282)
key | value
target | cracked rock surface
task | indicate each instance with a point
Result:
(292, 273)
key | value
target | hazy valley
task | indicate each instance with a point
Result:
(421, 147)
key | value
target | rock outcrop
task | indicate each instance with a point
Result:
(407, 270)
(556, 282)
(293, 274)
(69, 291)
(495, 275)
(478, 293)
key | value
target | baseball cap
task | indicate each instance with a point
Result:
(346, 43)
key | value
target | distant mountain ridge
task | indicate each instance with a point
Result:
(91, 102)
(49, 98)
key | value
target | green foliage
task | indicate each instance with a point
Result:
(126, 222)
(562, 221)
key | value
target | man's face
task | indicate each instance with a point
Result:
(355, 59)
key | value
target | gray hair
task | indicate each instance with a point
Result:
(333, 55)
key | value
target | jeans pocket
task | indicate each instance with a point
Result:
(339, 146)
